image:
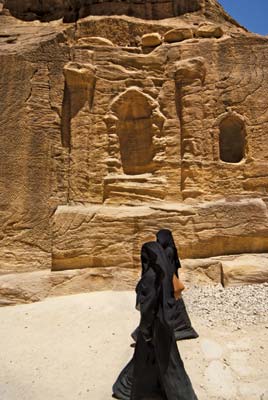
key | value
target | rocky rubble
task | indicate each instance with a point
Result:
(233, 307)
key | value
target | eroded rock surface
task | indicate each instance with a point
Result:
(223, 275)
(114, 127)
(34, 286)
(84, 236)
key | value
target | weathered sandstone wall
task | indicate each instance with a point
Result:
(31, 92)
(114, 127)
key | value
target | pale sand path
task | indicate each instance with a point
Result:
(73, 347)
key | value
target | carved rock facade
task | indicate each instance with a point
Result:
(115, 127)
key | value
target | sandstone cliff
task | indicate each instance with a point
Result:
(114, 126)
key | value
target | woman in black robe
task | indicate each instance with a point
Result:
(181, 323)
(156, 370)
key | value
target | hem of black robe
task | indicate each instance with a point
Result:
(185, 334)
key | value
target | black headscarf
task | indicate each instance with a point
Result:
(165, 238)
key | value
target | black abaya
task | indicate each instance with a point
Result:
(156, 370)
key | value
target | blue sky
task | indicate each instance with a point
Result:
(252, 14)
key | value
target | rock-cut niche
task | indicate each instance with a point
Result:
(232, 140)
(134, 128)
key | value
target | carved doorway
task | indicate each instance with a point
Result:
(135, 132)
(232, 139)
(134, 126)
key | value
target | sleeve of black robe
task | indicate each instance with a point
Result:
(147, 293)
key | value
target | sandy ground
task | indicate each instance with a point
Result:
(74, 347)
